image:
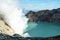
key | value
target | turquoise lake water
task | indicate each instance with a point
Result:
(43, 29)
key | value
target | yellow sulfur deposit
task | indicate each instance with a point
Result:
(5, 28)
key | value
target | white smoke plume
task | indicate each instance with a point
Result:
(13, 15)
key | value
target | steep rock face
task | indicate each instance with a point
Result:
(5, 28)
(44, 16)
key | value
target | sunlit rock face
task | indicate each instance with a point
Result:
(5, 28)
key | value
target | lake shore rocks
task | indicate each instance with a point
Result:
(16, 37)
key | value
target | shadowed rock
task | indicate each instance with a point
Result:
(16, 37)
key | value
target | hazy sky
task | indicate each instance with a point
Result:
(40, 4)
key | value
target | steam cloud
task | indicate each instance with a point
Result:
(13, 15)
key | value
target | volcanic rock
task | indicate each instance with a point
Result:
(44, 16)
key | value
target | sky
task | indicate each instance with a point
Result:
(39, 4)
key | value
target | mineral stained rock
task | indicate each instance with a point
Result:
(44, 16)
(5, 28)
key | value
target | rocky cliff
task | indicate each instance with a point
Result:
(44, 16)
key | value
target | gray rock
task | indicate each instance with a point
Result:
(44, 16)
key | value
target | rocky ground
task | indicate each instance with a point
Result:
(8, 37)
(18, 37)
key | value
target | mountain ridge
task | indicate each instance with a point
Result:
(52, 16)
